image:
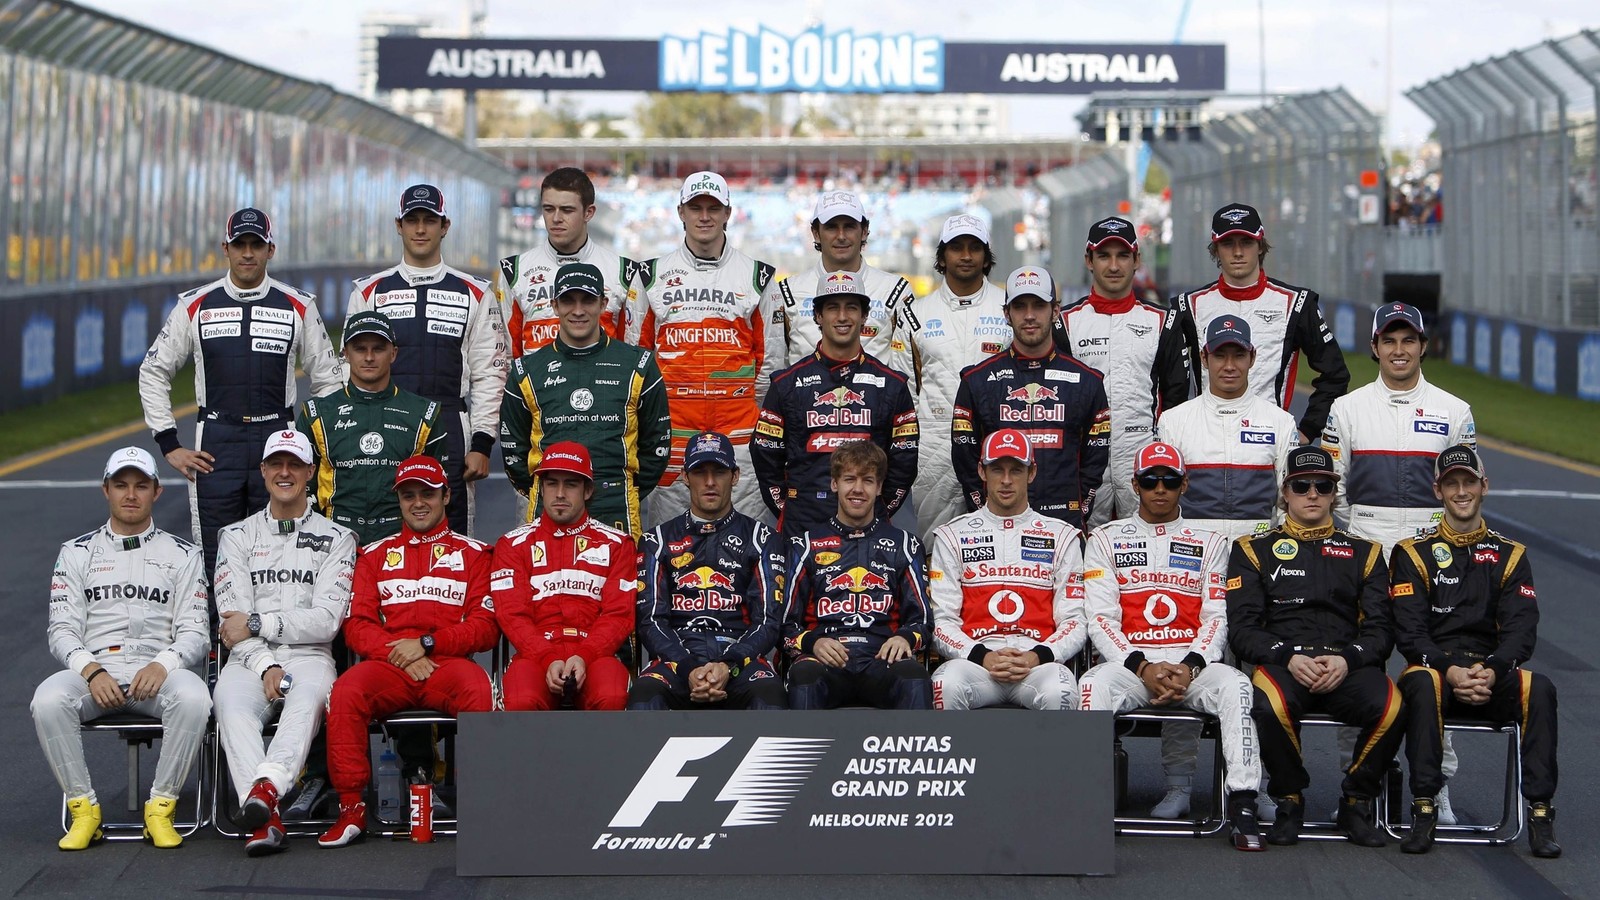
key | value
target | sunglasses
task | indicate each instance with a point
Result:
(1170, 482)
(1304, 485)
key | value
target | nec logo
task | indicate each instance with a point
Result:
(1257, 437)
(761, 788)
(1426, 427)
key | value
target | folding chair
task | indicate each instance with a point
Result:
(1513, 815)
(1147, 722)
(139, 731)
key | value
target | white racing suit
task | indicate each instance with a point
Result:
(295, 574)
(1236, 453)
(945, 334)
(1006, 582)
(126, 602)
(1159, 593)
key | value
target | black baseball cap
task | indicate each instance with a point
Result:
(1461, 456)
(422, 196)
(1237, 218)
(1225, 330)
(579, 277)
(1115, 228)
(248, 221)
(1389, 315)
(367, 322)
(1310, 460)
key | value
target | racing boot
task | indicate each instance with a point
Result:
(158, 813)
(270, 838)
(313, 791)
(85, 828)
(1285, 830)
(1175, 805)
(351, 827)
(1243, 828)
(1356, 824)
(1542, 830)
(1424, 819)
(260, 805)
(1447, 816)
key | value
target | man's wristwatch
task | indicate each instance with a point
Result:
(427, 645)
(254, 624)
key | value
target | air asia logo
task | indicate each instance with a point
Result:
(761, 788)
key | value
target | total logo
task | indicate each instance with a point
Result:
(761, 788)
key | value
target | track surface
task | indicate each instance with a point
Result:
(1551, 507)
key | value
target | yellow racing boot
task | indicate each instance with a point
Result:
(158, 812)
(85, 828)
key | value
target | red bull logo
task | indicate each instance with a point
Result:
(840, 396)
(1033, 393)
(858, 580)
(703, 577)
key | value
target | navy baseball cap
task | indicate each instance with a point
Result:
(579, 277)
(709, 447)
(1237, 218)
(1115, 228)
(368, 322)
(248, 221)
(424, 197)
(1391, 314)
(1225, 330)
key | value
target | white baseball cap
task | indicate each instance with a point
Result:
(131, 458)
(291, 442)
(1030, 281)
(705, 184)
(833, 204)
(956, 226)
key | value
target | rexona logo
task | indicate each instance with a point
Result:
(761, 788)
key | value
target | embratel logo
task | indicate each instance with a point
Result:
(761, 788)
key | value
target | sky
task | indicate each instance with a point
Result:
(1309, 46)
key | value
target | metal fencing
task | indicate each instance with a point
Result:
(1517, 135)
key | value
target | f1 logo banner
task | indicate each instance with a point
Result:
(840, 792)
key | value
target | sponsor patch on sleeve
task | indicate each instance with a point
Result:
(1401, 590)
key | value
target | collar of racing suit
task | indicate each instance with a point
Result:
(832, 363)
(705, 264)
(1220, 407)
(412, 537)
(1306, 532)
(1462, 538)
(415, 276)
(575, 256)
(1004, 522)
(1250, 292)
(286, 526)
(243, 295)
(707, 526)
(960, 301)
(1158, 528)
(851, 532)
(1018, 354)
(1405, 397)
(566, 349)
(1108, 307)
(129, 541)
(361, 396)
(548, 528)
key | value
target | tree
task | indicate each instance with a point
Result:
(696, 115)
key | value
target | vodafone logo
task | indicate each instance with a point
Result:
(1160, 610)
(1006, 606)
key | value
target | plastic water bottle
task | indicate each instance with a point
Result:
(391, 802)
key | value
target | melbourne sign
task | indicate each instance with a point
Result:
(840, 792)
(814, 61)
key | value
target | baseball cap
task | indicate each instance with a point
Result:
(1237, 218)
(367, 322)
(956, 226)
(1007, 443)
(424, 197)
(1158, 456)
(1392, 314)
(705, 184)
(1030, 281)
(709, 447)
(840, 283)
(1461, 456)
(1115, 228)
(1310, 460)
(579, 277)
(1225, 330)
(833, 204)
(288, 441)
(131, 458)
(248, 221)
(566, 456)
(425, 469)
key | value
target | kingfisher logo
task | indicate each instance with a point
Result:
(761, 788)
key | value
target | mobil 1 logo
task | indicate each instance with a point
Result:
(846, 791)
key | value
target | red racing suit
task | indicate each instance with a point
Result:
(564, 591)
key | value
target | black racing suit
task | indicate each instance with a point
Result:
(860, 587)
(1060, 404)
(1467, 600)
(709, 591)
(1315, 592)
(812, 408)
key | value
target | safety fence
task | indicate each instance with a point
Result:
(126, 149)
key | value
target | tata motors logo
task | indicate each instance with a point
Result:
(761, 788)
(813, 61)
